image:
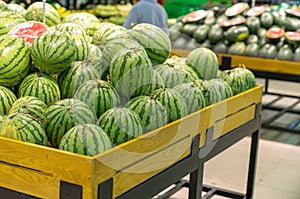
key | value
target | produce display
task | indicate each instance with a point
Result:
(79, 87)
(266, 31)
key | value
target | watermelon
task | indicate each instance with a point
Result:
(99, 95)
(156, 83)
(126, 69)
(107, 32)
(174, 74)
(3, 6)
(195, 16)
(268, 51)
(210, 92)
(201, 33)
(16, 8)
(8, 20)
(28, 30)
(220, 47)
(256, 11)
(253, 24)
(237, 48)
(53, 52)
(215, 34)
(94, 53)
(30, 105)
(266, 20)
(192, 95)
(240, 79)
(292, 37)
(252, 50)
(204, 62)
(14, 60)
(89, 21)
(237, 33)
(7, 98)
(236, 9)
(223, 88)
(189, 29)
(296, 56)
(274, 34)
(121, 124)
(24, 127)
(85, 139)
(35, 12)
(75, 29)
(72, 78)
(151, 112)
(41, 86)
(172, 101)
(112, 47)
(65, 114)
(285, 53)
(239, 20)
(155, 41)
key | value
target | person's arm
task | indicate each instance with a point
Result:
(131, 18)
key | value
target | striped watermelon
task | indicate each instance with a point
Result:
(80, 37)
(156, 83)
(7, 98)
(211, 94)
(16, 8)
(65, 114)
(72, 78)
(41, 86)
(1, 118)
(8, 20)
(35, 12)
(155, 41)
(99, 95)
(112, 48)
(28, 30)
(192, 95)
(240, 79)
(94, 53)
(75, 29)
(86, 139)
(3, 6)
(107, 32)
(151, 112)
(131, 72)
(14, 60)
(222, 87)
(174, 74)
(172, 101)
(30, 105)
(24, 127)
(204, 61)
(121, 124)
(89, 21)
(53, 52)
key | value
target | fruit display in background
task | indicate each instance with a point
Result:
(255, 27)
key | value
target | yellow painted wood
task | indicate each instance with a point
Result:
(28, 181)
(261, 64)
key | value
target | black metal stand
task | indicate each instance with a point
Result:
(279, 111)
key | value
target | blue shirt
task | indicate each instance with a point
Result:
(148, 11)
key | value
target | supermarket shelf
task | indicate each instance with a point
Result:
(269, 69)
(145, 165)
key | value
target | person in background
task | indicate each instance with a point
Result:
(147, 11)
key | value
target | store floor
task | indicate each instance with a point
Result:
(278, 165)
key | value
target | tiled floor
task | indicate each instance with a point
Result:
(278, 165)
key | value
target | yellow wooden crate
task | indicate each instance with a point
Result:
(38, 170)
(262, 64)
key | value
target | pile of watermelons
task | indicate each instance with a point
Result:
(84, 86)
(263, 31)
